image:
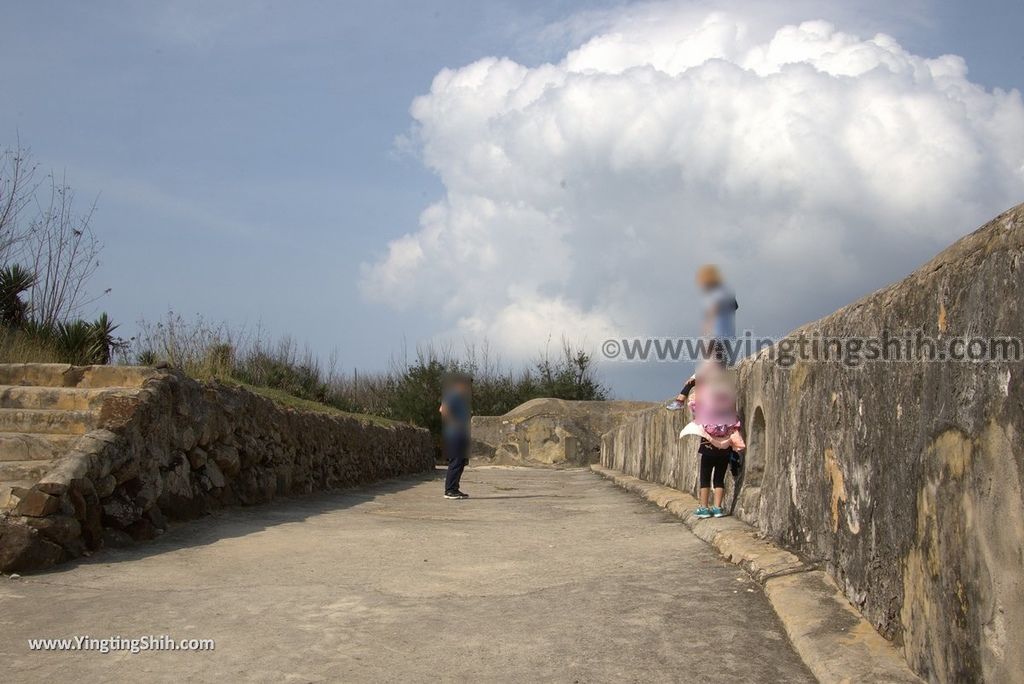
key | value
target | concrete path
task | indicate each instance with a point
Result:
(541, 576)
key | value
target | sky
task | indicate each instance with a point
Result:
(366, 177)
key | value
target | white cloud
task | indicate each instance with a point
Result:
(813, 164)
(529, 323)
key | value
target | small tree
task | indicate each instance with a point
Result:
(61, 250)
(17, 190)
(417, 392)
(571, 376)
(45, 263)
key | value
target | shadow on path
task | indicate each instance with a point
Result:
(240, 521)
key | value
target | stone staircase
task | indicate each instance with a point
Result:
(45, 408)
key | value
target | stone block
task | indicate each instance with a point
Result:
(61, 529)
(37, 503)
(22, 548)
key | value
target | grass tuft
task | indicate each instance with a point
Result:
(290, 401)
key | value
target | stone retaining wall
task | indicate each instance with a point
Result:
(548, 432)
(177, 449)
(904, 480)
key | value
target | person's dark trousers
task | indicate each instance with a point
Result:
(456, 447)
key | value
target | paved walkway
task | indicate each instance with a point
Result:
(541, 576)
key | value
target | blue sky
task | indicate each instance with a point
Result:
(246, 163)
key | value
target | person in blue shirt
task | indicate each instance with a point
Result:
(719, 326)
(719, 307)
(455, 415)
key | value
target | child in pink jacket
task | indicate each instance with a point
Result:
(713, 406)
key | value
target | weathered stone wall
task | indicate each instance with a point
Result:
(548, 432)
(178, 449)
(904, 479)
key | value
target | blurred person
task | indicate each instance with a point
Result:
(455, 414)
(719, 325)
(716, 421)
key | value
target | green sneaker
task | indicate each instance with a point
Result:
(703, 512)
(717, 512)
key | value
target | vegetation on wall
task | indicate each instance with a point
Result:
(409, 391)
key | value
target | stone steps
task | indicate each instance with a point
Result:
(64, 375)
(28, 446)
(63, 398)
(47, 421)
(23, 471)
(45, 408)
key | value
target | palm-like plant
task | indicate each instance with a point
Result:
(102, 339)
(15, 280)
(75, 341)
(147, 357)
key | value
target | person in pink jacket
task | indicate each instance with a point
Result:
(713, 406)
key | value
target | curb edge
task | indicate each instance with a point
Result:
(834, 640)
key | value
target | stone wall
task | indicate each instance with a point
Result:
(904, 479)
(548, 432)
(177, 449)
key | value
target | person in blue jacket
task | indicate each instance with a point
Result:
(455, 415)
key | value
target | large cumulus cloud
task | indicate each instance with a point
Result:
(813, 164)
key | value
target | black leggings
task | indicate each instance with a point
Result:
(713, 464)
